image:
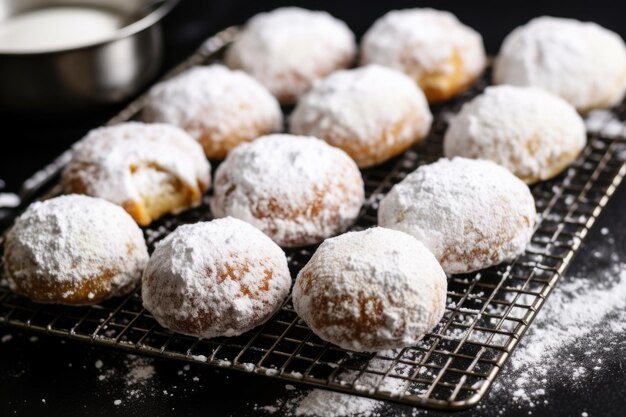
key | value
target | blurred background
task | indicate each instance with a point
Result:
(33, 142)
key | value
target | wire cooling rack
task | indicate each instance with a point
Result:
(451, 368)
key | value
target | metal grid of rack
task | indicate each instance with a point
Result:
(451, 368)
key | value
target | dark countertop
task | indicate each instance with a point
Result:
(43, 375)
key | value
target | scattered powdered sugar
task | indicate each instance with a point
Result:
(287, 48)
(355, 109)
(421, 41)
(494, 209)
(606, 123)
(344, 280)
(112, 162)
(9, 200)
(216, 106)
(135, 372)
(582, 320)
(70, 239)
(531, 132)
(580, 61)
(298, 190)
(224, 268)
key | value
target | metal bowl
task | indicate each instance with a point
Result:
(49, 83)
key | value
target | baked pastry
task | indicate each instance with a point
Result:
(218, 107)
(432, 47)
(287, 48)
(582, 62)
(533, 133)
(373, 113)
(371, 290)
(149, 169)
(218, 278)
(74, 250)
(470, 213)
(297, 190)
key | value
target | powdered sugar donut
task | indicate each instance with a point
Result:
(218, 278)
(297, 190)
(287, 48)
(373, 113)
(432, 47)
(580, 61)
(371, 290)
(218, 107)
(149, 169)
(531, 132)
(470, 213)
(74, 250)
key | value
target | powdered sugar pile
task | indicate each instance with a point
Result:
(354, 109)
(527, 130)
(74, 238)
(470, 213)
(225, 270)
(214, 105)
(105, 160)
(287, 48)
(582, 62)
(298, 190)
(425, 40)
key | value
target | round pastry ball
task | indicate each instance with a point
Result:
(74, 250)
(218, 107)
(582, 62)
(533, 133)
(297, 190)
(218, 278)
(373, 113)
(372, 290)
(287, 48)
(470, 213)
(432, 47)
(149, 169)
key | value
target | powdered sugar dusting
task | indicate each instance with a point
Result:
(419, 41)
(531, 132)
(286, 49)
(298, 190)
(70, 239)
(106, 159)
(216, 106)
(219, 278)
(493, 209)
(339, 291)
(580, 61)
(355, 109)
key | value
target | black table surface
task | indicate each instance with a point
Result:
(44, 375)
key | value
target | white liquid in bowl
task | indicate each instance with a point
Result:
(55, 28)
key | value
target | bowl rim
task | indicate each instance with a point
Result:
(152, 18)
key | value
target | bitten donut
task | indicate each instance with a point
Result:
(371, 290)
(297, 190)
(533, 133)
(149, 169)
(286, 49)
(582, 62)
(74, 250)
(218, 107)
(372, 113)
(432, 47)
(218, 278)
(470, 213)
